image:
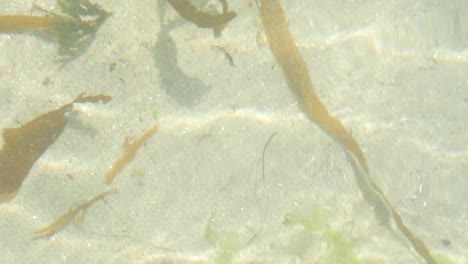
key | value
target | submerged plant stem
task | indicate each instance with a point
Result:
(297, 74)
(60, 222)
(129, 155)
(15, 23)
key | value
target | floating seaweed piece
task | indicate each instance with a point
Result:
(73, 22)
(65, 218)
(24, 145)
(296, 72)
(129, 155)
(217, 22)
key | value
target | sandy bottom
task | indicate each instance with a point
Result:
(206, 188)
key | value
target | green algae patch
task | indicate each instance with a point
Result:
(312, 220)
(73, 23)
(444, 259)
(315, 223)
(226, 243)
(82, 23)
(339, 249)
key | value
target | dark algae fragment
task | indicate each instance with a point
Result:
(129, 154)
(73, 23)
(24, 145)
(85, 19)
(202, 19)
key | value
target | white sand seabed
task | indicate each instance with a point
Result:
(393, 72)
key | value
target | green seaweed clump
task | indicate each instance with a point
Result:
(339, 249)
(314, 221)
(81, 20)
(444, 259)
(227, 243)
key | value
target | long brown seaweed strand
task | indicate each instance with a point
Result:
(297, 75)
(129, 155)
(296, 72)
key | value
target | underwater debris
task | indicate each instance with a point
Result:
(227, 55)
(65, 218)
(24, 145)
(217, 22)
(129, 155)
(267, 195)
(297, 75)
(73, 22)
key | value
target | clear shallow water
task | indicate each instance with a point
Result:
(392, 73)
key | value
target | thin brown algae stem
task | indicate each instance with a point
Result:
(297, 74)
(24, 145)
(15, 23)
(382, 206)
(129, 155)
(189, 11)
(64, 219)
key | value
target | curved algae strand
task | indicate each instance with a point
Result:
(64, 219)
(297, 75)
(130, 153)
